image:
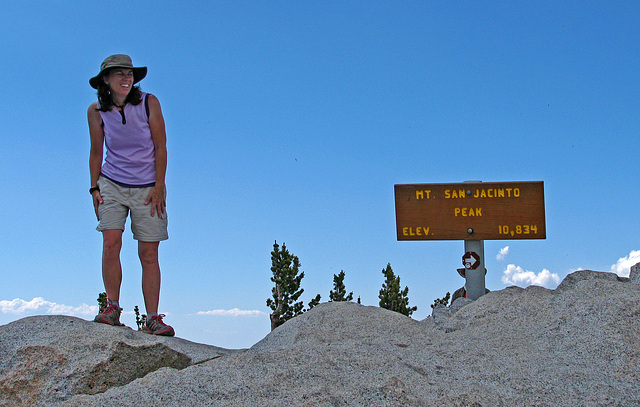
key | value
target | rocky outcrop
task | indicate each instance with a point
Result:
(634, 273)
(576, 345)
(45, 360)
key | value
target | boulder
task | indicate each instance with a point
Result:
(45, 360)
(634, 273)
(441, 313)
(576, 345)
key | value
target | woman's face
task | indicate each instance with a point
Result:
(120, 80)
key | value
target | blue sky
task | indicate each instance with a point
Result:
(291, 121)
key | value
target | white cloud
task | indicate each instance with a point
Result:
(504, 252)
(516, 275)
(235, 312)
(39, 305)
(623, 265)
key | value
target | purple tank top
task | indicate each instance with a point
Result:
(130, 158)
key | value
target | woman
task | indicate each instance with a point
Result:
(130, 125)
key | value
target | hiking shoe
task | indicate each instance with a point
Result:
(155, 326)
(109, 315)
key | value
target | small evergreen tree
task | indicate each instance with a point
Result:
(141, 320)
(314, 302)
(102, 301)
(286, 292)
(339, 292)
(391, 297)
(444, 300)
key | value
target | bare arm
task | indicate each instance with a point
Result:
(95, 154)
(156, 122)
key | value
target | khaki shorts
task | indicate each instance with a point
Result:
(119, 201)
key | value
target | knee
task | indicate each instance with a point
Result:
(148, 254)
(111, 245)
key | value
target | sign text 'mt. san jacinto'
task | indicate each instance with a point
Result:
(470, 211)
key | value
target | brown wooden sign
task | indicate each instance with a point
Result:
(471, 211)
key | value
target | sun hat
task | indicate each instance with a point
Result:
(118, 61)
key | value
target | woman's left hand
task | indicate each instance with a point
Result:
(157, 201)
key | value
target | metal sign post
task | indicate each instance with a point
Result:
(473, 261)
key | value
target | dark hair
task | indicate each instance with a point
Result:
(104, 95)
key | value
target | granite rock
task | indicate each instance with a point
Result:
(45, 360)
(634, 273)
(576, 345)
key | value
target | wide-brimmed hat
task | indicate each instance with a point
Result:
(118, 61)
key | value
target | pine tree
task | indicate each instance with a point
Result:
(141, 320)
(444, 300)
(391, 297)
(287, 278)
(102, 301)
(314, 302)
(339, 292)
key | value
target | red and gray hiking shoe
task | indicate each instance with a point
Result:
(155, 326)
(110, 315)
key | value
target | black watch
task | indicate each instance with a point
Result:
(92, 189)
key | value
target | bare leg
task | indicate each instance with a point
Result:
(148, 253)
(111, 267)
